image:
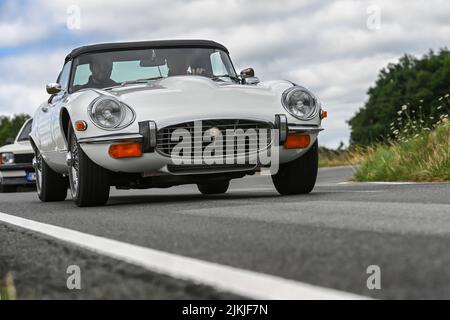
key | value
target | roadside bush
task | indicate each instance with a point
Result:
(417, 153)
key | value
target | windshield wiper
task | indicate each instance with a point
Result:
(140, 80)
(133, 82)
(215, 78)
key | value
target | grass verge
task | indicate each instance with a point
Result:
(423, 156)
(345, 157)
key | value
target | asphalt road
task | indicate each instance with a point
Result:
(327, 238)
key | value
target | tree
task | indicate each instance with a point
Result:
(10, 126)
(417, 83)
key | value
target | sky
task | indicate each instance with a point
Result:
(334, 48)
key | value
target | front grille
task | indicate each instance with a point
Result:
(243, 146)
(23, 158)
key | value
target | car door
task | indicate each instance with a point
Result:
(43, 120)
(50, 133)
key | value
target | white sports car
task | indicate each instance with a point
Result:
(165, 113)
(15, 161)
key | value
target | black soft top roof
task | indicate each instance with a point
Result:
(143, 45)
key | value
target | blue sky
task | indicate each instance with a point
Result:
(334, 48)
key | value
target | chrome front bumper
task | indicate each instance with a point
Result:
(152, 161)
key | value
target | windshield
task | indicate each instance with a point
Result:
(114, 68)
(25, 134)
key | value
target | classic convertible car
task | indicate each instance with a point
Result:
(165, 113)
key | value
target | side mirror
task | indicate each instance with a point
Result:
(247, 73)
(9, 140)
(248, 76)
(53, 88)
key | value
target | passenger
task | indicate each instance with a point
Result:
(199, 65)
(177, 65)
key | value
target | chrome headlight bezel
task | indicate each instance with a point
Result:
(127, 113)
(7, 158)
(288, 93)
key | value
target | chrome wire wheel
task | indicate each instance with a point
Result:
(89, 183)
(74, 172)
(38, 170)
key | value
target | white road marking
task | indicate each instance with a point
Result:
(229, 279)
(394, 182)
(356, 191)
(275, 191)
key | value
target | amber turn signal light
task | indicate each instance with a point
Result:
(80, 125)
(323, 114)
(297, 141)
(125, 150)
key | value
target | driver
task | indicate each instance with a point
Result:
(101, 74)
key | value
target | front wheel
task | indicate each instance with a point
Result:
(298, 176)
(89, 183)
(214, 187)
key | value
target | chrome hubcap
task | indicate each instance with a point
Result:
(37, 162)
(73, 162)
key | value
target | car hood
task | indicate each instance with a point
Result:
(18, 147)
(186, 98)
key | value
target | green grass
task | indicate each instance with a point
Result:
(422, 155)
(7, 288)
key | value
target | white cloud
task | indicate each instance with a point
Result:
(17, 98)
(17, 33)
(23, 80)
(19, 26)
(323, 45)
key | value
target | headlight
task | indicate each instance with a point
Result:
(7, 158)
(300, 103)
(110, 114)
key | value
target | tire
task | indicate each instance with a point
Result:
(214, 187)
(50, 185)
(7, 189)
(89, 183)
(298, 176)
